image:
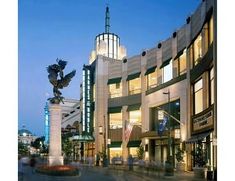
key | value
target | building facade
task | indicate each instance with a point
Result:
(25, 136)
(123, 100)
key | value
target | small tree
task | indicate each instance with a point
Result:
(67, 146)
(179, 155)
(199, 156)
(23, 149)
(140, 152)
(38, 142)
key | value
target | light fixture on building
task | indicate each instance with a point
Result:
(177, 133)
(100, 130)
(160, 114)
(109, 141)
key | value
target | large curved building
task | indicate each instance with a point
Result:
(163, 98)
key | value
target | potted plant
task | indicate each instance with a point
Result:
(104, 158)
(199, 169)
(180, 165)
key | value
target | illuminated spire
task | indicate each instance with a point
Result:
(107, 18)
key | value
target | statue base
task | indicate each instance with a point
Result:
(55, 160)
(55, 155)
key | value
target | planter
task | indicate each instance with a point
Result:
(169, 170)
(180, 166)
(58, 170)
(199, 172)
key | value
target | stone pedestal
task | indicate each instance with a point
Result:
(55, 157)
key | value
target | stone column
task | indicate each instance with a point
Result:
(55, 157)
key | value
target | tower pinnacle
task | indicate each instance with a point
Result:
(107, 18)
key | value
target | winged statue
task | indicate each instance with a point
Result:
(58, 80)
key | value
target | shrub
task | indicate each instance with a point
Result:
(179, 155)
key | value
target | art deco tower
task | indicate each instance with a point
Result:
(107, 43)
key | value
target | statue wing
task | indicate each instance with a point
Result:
(64, 82)
(52, 74)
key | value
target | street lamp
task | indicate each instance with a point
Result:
(169, 164)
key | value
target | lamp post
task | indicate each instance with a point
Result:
(169, 164)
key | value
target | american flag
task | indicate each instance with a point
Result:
(128, 129)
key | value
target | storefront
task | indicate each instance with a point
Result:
(202, 137)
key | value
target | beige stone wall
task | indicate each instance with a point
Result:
(108, 68)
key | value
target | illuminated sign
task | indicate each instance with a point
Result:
(86, 100)
(203, 121)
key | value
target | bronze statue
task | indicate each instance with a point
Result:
(55, 70)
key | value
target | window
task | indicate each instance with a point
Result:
(197, 49)
(206, 37)
(211, 30)
(115, 152)
(115, 90)
(134, 86)
(135, 117)
(152, 80)
(212, 93)
(198, 97)
(167, 72)
(182, 63)
(115, 120)
(191, 55)
(133, 151)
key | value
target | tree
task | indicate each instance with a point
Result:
(23, 149)
(179, 155)
(38, 142)
(140, 152)
(67, 146)
(199, 156)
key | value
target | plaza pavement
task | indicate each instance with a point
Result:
(106, 174)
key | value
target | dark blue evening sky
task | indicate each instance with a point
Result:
(66, 29)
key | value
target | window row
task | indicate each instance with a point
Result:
(170, 68)
(116, 121)
(156, 77)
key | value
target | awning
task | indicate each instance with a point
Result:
(114, 109)
(165, 63)
(133, 107)
(179, 53)
(135, 143)
(115, 144)
(83, 138)
(198, 137)
(150, 70)
(114, 80)
(133, 76)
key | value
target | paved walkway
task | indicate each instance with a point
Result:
(105, 174)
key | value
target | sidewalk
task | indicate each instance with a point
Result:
(153, 175)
